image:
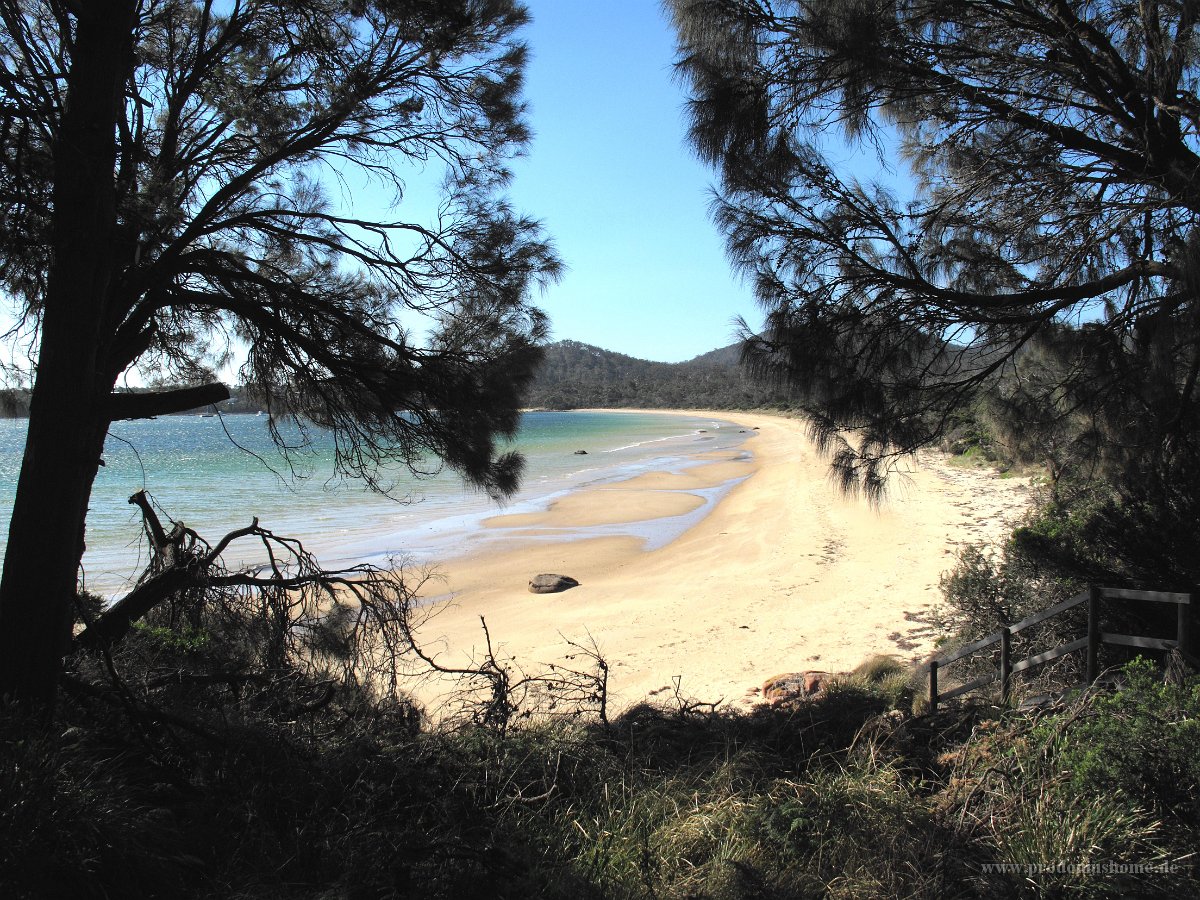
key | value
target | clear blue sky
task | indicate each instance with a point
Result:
(610, 175)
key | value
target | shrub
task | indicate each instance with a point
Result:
(859, 831)
(1088, 800)
(1141, 742)
(988, 591)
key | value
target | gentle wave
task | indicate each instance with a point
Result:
(642, 444)
(215, 487)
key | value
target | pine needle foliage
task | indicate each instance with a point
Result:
(1021, 222)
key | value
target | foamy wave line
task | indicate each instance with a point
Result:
(643, 443)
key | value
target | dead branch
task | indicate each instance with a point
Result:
(493, 693)
(286, 633)
(115, 623)
(292, 637)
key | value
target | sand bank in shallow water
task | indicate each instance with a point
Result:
(779, 572)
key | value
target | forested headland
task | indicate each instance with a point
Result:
(574, 375)
(14, 404)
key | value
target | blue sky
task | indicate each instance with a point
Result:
(611, 177)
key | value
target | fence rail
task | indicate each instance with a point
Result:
(1090, 642)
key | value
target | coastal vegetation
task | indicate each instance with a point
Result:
(1041, 257)
(846, 795)
(222, 732)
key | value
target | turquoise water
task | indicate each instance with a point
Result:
(194, 472)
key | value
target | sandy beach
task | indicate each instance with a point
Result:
(783, 574)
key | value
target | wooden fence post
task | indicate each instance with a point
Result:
(1093, 635)
(1005, 665)
(933, 692)
(1183, 630)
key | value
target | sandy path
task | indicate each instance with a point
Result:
(784, 574)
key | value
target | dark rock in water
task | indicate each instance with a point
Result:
(581, 453)
(551, 584)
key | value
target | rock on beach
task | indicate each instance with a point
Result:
(793, 686)
(551, 584)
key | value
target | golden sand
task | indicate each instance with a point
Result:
(784, 574)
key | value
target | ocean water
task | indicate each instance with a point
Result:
(194, 470)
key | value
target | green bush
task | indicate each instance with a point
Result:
(183, 640)
(1096, 799)
(987, 591)
(1139, 530)
(1142, 742)
(1058, 535)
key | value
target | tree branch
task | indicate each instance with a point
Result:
(162, 403)
(119, 618)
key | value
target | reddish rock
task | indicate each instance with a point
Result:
(793, 686)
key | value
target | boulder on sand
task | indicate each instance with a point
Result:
(793, 686)
(550, 584)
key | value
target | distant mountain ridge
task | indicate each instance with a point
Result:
(576, 375)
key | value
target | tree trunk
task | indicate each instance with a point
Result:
(68, 416)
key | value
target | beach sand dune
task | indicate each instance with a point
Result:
(783, 574)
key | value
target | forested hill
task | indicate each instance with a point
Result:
(14, 404)
(576, 375)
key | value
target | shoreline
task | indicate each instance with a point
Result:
(777, 573)
(338, 519)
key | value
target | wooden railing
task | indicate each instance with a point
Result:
(1090, 642)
